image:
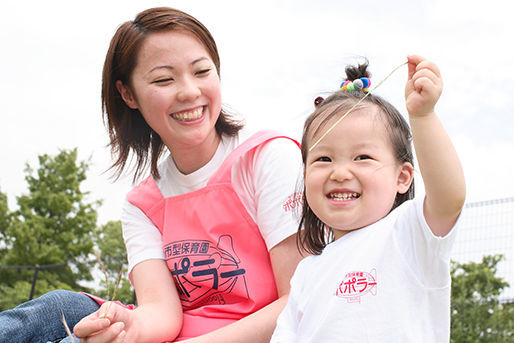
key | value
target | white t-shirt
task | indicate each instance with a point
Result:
(265, 180)
(387, 282)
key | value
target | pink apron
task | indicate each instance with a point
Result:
(213, 248)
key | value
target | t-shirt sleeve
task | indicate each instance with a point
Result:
(270, 188)
(429, 255)
(287, 322)
(142, 238)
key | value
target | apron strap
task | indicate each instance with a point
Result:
(224, 173)
(148, 198)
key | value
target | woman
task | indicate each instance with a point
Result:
(216, 212)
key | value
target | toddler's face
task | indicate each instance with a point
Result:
(352, 176)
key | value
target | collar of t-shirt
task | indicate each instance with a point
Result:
(173, 182)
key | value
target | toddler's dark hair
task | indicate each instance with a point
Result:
(313, 234)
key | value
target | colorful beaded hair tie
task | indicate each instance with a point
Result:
(364, 88)
(361, 84)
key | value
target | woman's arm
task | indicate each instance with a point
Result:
(259, 326)
(438, 161)
(157, 318)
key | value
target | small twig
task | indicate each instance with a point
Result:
(114, 291)
(68, 331)
(353, 107)
(117, 284)
(107, 284)
(111, 298)
(103, 270)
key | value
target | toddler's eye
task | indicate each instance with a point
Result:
(323, 159)
(362, 157)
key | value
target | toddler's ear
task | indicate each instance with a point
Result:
(405, 177)
(126, 95)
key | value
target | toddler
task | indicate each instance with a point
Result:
(385, 274)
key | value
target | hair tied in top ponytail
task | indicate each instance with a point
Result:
(361, 84)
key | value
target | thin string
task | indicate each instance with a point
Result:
(353, 107)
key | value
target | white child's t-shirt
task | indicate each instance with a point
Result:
(387, 282)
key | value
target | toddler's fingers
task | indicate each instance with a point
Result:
(429, 65)
(427, 79)
(413, 61)
(426, 88)
(424, 79)
(418, 64)
(425, 73)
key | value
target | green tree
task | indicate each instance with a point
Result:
(53, 224)
(113, 255)
(5, 218)
(477, 314)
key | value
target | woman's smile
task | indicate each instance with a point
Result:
(189, 115)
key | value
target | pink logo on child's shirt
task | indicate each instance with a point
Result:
(357, 284)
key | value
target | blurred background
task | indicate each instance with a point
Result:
(276, 58)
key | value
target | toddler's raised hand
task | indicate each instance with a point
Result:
(424, 86)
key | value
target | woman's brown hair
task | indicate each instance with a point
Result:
(128, 131)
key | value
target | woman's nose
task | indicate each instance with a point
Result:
(188, 90)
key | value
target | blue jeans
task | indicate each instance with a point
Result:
(39, 320)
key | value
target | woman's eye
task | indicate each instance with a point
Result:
(362, 157)
(203, 71)
(169, 79)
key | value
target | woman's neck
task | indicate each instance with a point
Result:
(190, 159)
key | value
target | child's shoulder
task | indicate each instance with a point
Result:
(407, 208)
(307, 262)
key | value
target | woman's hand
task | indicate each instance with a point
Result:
(157, 318)
(110, 323)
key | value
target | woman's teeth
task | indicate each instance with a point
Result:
(343, 196)
(189, 115)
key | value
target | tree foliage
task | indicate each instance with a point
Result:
(53, 224)
(113, 256)
(5, 218)
(477, 314)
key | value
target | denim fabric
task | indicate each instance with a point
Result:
(39, 320)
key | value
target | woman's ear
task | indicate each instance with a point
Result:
(126, 95)
(405, 177)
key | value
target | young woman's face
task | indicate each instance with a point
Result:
(176, 88)
(352, 176)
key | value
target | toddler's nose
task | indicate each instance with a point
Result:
(341, 172)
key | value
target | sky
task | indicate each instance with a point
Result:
(276, 58)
